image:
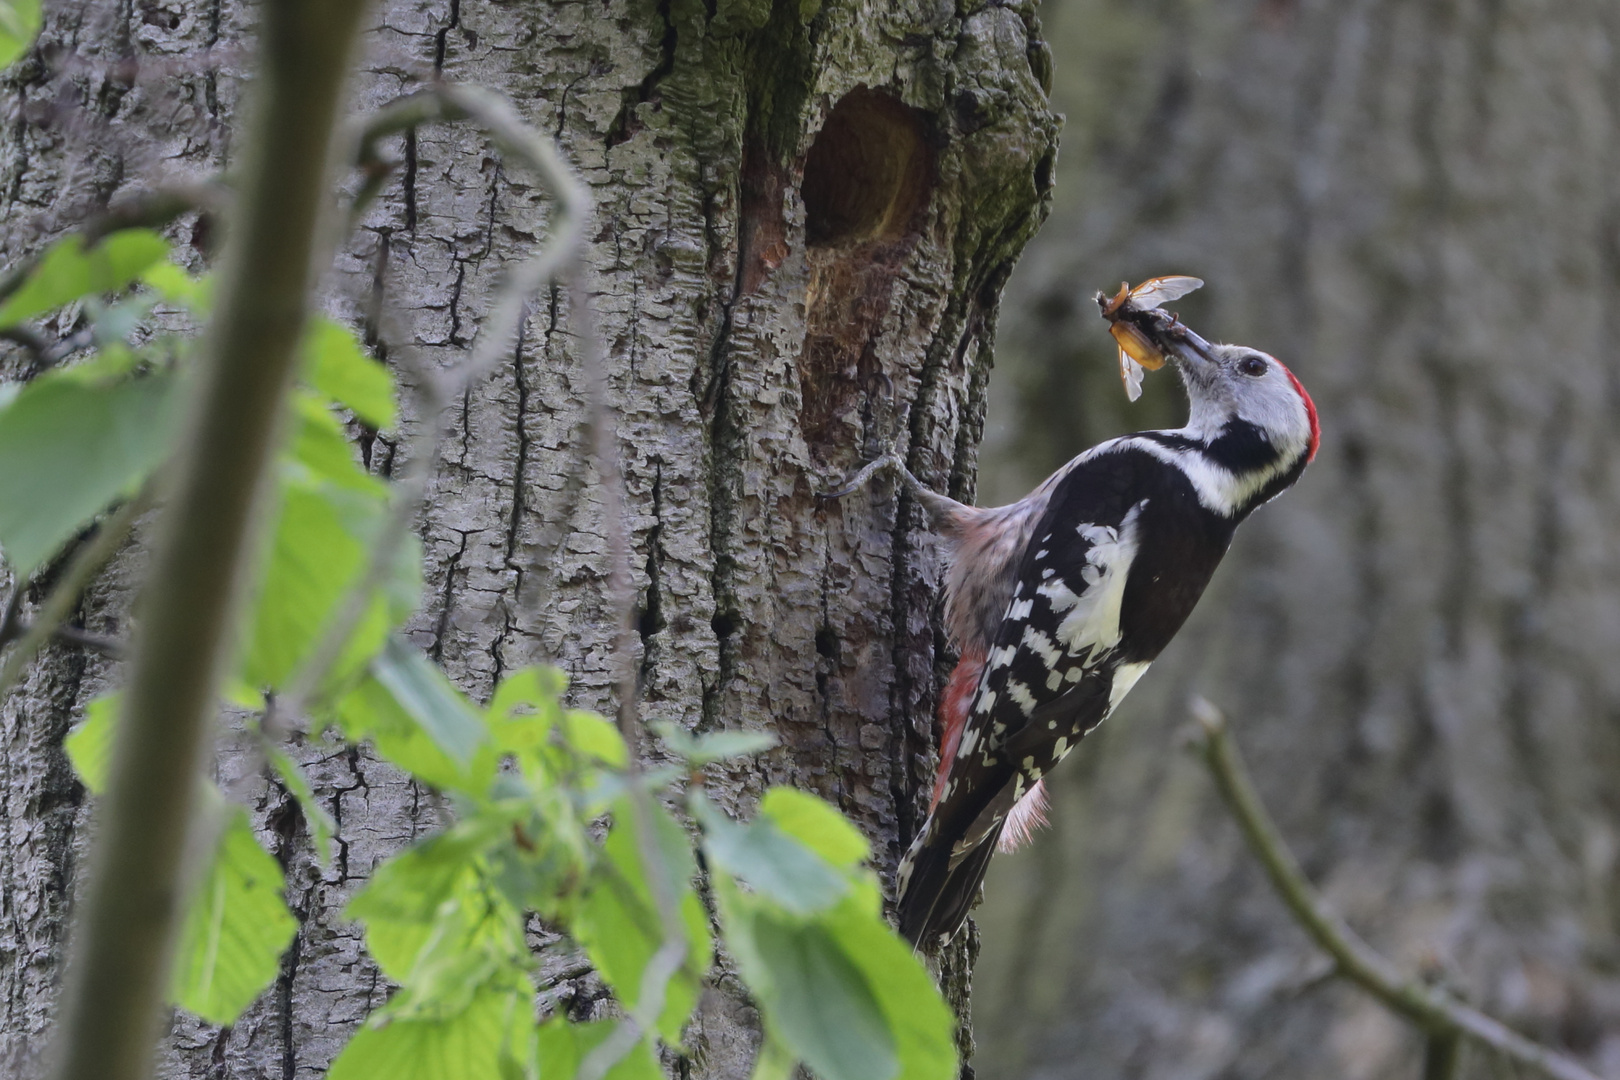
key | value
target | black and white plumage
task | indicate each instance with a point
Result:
(1059, 602)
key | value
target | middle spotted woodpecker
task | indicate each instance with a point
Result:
(1059, 602)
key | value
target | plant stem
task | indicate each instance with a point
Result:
(1441, 1016)
(62, 600)
(205, 544)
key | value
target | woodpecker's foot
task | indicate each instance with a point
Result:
(889, 461)
(943, 511)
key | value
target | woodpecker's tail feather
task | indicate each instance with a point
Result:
(937, 889)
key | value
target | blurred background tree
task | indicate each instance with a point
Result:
(1415, 206)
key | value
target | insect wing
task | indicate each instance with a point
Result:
(1161, 290)
(1130, 373)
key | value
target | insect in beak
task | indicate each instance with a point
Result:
(1127, 312)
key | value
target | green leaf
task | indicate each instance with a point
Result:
(430, 700)
(563, 1046)
(817, 824)
(370, 711)
(318, 551)
(19, 23)
(618, 921)
(68, 449)
(775, 1061)
(337, 366)
(594, 737)
(774, 863)
(89, 745)
(526, 708)
(822, 1004)
(173, 284)
(919, 1021)
(236, 929)
(715, 746)
(492, 1037)
(320, 824)
(67, 272)
(322, 448)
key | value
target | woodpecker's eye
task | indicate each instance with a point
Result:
(1252, 365)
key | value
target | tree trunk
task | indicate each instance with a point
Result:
(1413, 205)
(806, 213)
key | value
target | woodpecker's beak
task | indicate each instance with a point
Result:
(1177, 341)
(1187, 347)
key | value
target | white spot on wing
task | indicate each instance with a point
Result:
(1125, 677)
(1020, 693)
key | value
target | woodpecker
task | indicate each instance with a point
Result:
(1058, 603)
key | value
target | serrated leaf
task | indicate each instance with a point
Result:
(319, 823)
(563, 1046)
(68, 449)
(777, 866)
(481, 1042)
(526, 708)
(821, 1004)
(19, 24)
(618, 922)
(173, 284)
(336, 364)
(817, 824)
(236, 929)
(89, 745)
(68, 272)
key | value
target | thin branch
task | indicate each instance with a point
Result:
(124, 933)
(38, 345)
(524, 143)
(150, 210)
(83, 566)
(497, 117)
(1431, 1008)
(1442, 1053)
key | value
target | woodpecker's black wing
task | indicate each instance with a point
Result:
(1045, 683)
(1121, 554)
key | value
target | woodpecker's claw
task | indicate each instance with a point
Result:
(891, 460)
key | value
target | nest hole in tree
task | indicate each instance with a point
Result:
(868, 172)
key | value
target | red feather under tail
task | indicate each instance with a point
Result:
(953, 714)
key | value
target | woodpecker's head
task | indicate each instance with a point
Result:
(1233, 389)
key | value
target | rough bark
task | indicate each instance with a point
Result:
(1414, 206)
(776, 307)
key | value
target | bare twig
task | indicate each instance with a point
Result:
(38, 345)
(151, 210)
(672, 954)
(1438, 1013)
(110, 1006)
(496, 116)
(65, 597)
(1442, 1052)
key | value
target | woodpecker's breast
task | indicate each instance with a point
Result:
(1176, 544)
